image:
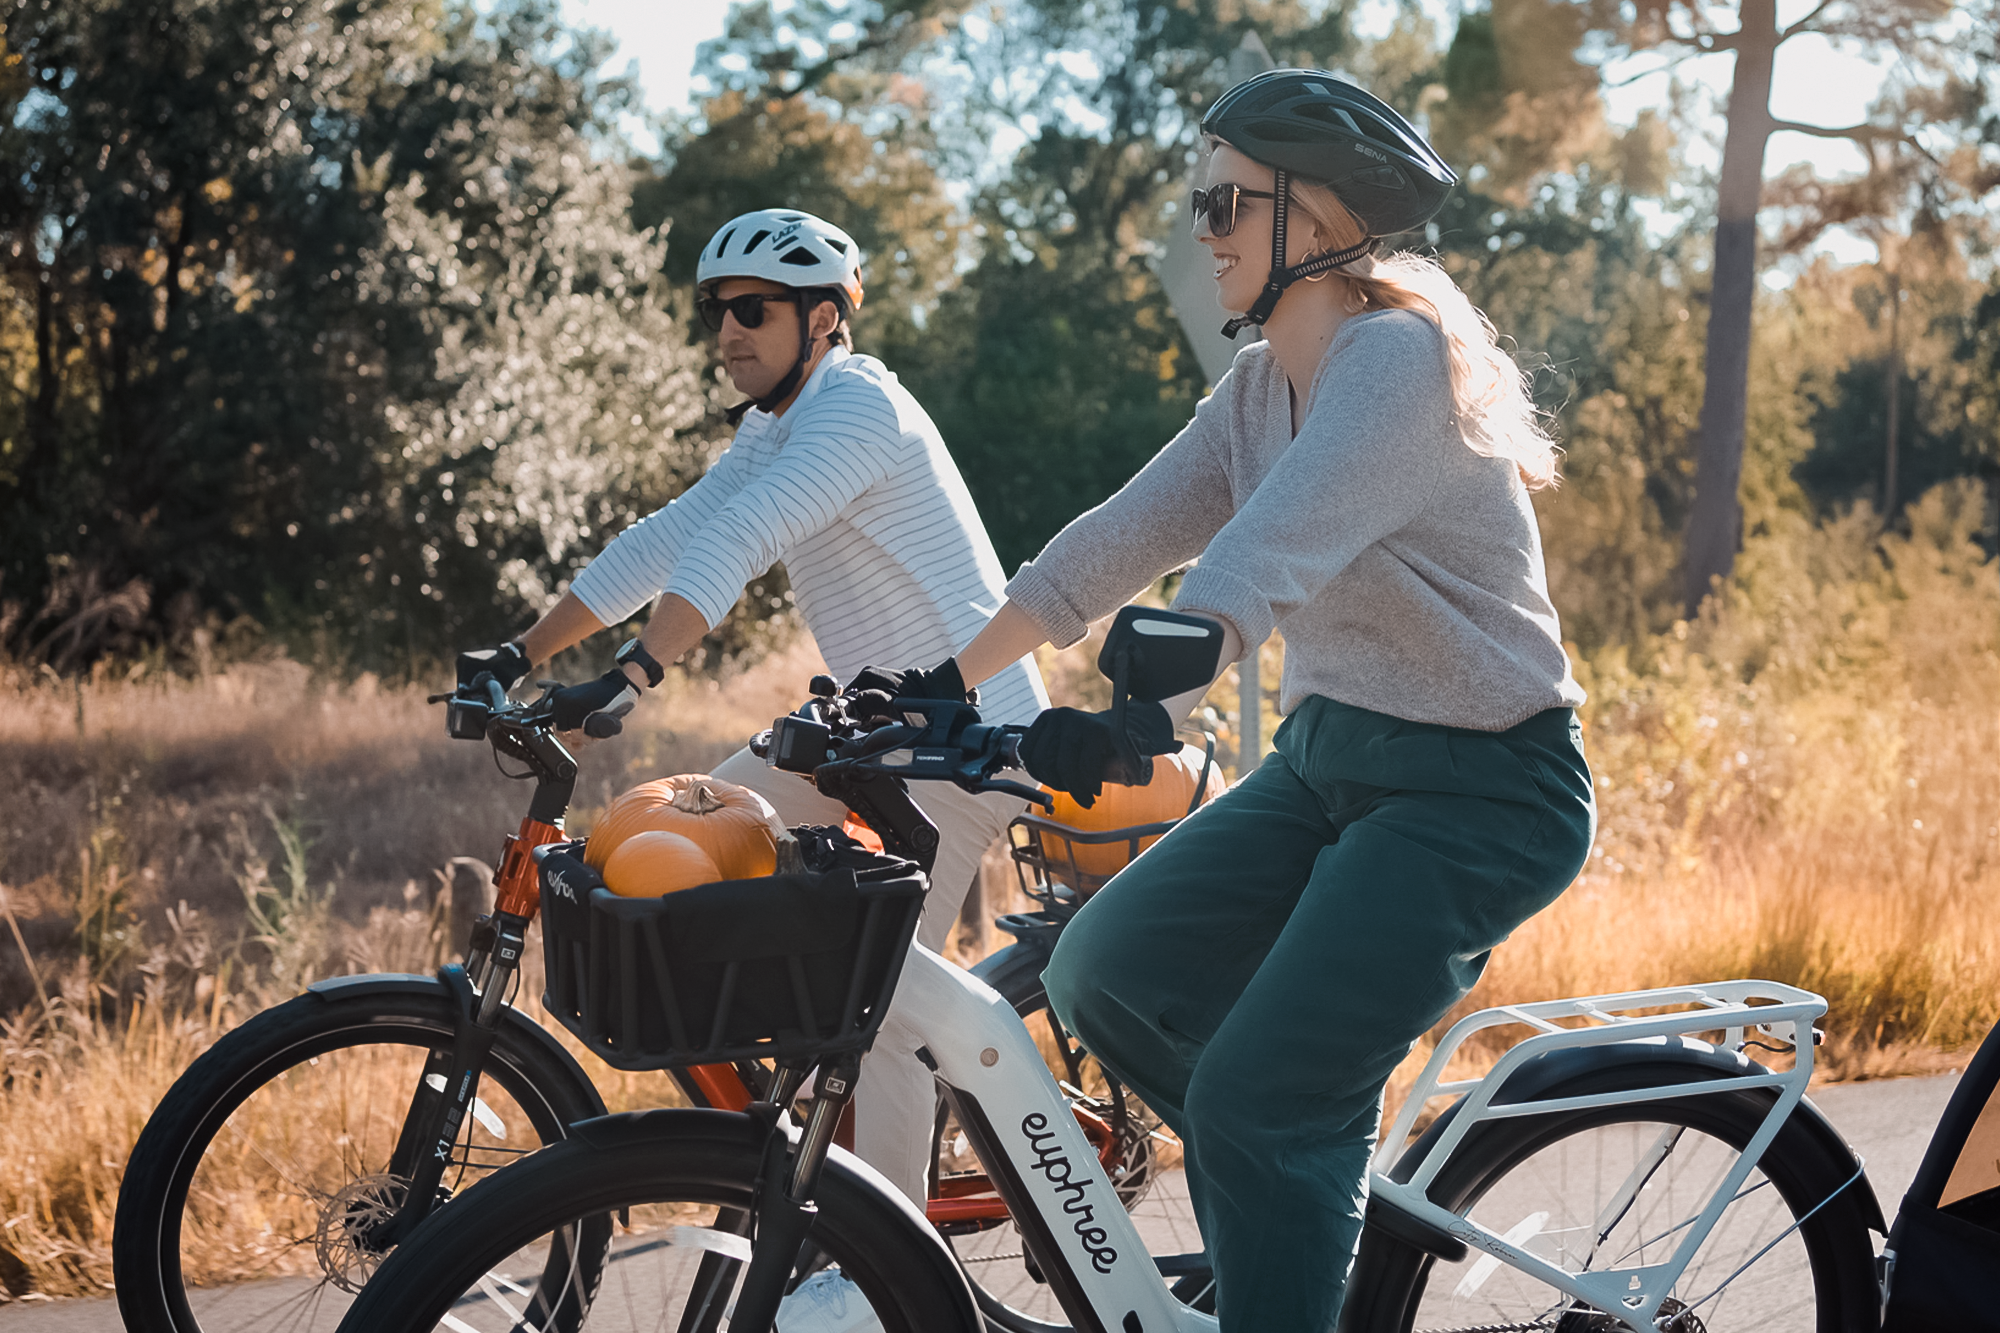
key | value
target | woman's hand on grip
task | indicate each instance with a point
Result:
(1067, 749)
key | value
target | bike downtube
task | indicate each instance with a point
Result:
(721, 1085)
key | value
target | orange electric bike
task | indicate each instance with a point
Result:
(342, 1118)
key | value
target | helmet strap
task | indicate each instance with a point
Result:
(1282, 277)
(783, 389)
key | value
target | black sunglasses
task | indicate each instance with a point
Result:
(749, 309)
(1219, 202)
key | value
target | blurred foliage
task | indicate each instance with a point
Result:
(328, 316)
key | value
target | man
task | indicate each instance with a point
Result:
(836, 470)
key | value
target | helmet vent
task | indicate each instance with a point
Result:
(837, 244)
(1287, 132)
(756, 241)
(798, 254)
(722, 246)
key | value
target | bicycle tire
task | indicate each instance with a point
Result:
(454, 1264)
(1818, 1278)
(311, 1035)
(1010, 1295)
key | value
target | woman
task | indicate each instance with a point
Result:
(1360, 480)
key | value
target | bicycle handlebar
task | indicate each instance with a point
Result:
(938, 740)
(524, 731)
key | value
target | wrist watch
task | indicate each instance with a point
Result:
(635, 653)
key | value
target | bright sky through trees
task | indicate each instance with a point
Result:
(1816, 81)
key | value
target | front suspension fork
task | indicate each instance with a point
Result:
(442, 1099)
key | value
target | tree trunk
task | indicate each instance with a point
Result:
(1716, 524)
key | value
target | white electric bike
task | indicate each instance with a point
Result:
(1612, 1171)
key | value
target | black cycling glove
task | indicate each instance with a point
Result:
(508, 663)
(597, 706)
(873, 687)
(1070, 750)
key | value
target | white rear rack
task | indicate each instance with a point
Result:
(1780, 1016)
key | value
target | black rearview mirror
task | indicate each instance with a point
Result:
(1155, 655)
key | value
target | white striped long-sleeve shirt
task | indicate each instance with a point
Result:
(853, 489)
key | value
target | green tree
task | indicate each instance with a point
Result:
(336, 317)
(1051, 362)
(1924, 34)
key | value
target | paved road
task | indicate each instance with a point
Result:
(1888, 1122)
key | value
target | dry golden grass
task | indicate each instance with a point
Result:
(1804, 785)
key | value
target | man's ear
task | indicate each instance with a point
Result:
(825, 319)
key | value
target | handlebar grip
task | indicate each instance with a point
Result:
(602, 726)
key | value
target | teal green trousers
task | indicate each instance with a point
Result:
(1259, 973)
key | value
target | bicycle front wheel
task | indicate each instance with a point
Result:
(684, 1186)
(256, 1195)
(1620, 1187)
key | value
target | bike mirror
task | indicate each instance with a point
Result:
(1164, 653)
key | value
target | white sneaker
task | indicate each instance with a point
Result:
(827, 1302)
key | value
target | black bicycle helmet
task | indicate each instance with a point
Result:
(1310, 123)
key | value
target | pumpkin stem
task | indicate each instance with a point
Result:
(790, 860)
(698, 799)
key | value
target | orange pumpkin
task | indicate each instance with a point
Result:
(654, 862)
(1168, 796)
(734, 826)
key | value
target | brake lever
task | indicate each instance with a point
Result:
(1007, 786)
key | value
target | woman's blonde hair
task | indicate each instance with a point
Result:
(1495, 413)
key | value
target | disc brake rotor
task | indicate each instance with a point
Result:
(348, 1224)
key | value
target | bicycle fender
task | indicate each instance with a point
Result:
(1684, 1060)
(1016, 971)
(635, 1129)
(415, 983)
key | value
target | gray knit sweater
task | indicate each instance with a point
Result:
(1404, 570)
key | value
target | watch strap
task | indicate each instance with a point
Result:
(635, 653)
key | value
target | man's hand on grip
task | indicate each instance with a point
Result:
(598, 706)
(507, 664)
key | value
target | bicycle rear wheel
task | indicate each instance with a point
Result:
(264, 1172)
(1619, 1186)
(688, 1178)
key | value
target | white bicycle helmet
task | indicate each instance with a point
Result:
(786, 246)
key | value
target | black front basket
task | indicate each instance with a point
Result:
(796, 965)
